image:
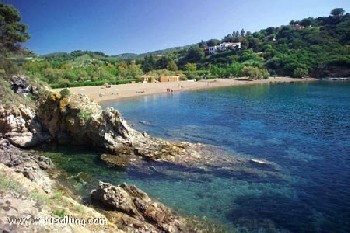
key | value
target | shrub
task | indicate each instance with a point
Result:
(300, 72)
(255, 72)
(59, 213)
(84, 115)
(65, 92)
(94, 83)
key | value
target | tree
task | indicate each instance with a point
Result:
(300, 72)
(172, 66)
(202, 44)
(307, 22)
(242, 32)
(148, 64)
(193, 55)
(337, 12)
(12, 32)
(213, 42)
(191, 67)
(162, 63)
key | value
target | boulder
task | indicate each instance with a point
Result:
(21, 127)
(137, 206)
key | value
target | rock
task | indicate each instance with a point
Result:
(21, 127)
(45, 164)
(138, 207)
(24, 199)
(115, 198)
(29, 164)
(28, 174)
(77, 120)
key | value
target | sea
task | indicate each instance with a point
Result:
(302, 127)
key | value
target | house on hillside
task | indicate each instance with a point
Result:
(224, 46)
(297, 27)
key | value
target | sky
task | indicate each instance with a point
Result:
(139, 26)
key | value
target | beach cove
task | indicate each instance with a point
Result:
(132, 90)
(301, 127)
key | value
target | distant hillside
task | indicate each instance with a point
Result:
(132, 56)
(127, 56)
(318, 47)
(165, 51)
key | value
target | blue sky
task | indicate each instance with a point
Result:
(138, 26)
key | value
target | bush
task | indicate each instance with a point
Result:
(94, 83)
(85, 115)
(300, 72)
(65, 92)
(255, 72)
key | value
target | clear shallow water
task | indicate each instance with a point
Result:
(305, 128)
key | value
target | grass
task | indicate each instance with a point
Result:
(11, 185)
(84, 115)
(8, 184)
(59, 213)
(40, 197)
(9, 98)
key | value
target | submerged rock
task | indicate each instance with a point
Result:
(133, 211)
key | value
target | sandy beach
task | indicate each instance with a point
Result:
(132, 90)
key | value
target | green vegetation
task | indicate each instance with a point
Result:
(65, 92)
(316, 47)
(59, 213)
(84, 115)
(9, 184)
(12, 31)
(82, 68)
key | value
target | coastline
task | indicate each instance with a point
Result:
(132, 90)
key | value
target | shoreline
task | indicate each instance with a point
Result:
(133, 90)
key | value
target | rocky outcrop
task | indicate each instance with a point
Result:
(332, 71)
(31, 209)
(21, 126)
(30, 164)
(20, 85)
(133, 211)
(75, 119)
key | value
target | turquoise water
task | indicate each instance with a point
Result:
(303, 127)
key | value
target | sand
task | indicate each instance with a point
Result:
(132, 90)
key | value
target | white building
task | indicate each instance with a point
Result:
(223, 46)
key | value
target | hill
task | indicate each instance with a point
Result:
(317, 47)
